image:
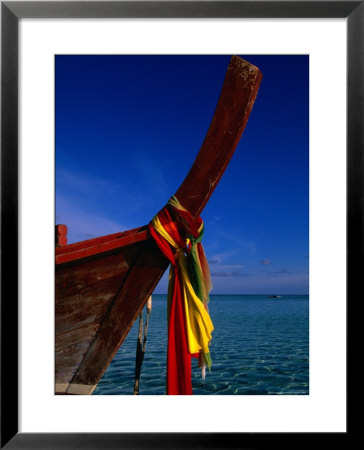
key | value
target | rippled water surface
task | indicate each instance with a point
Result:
(260, 346)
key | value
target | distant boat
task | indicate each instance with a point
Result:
(274, 296)
(102, 284)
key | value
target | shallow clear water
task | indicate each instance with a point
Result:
(260, 346)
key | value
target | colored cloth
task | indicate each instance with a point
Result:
(189, 323)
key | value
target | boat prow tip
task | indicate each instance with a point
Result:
(237, 61)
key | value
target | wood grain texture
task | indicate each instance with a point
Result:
(84, 292)
(139, 285)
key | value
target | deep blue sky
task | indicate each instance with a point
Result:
(128, 129)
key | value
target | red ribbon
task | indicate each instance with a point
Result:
(178, 357)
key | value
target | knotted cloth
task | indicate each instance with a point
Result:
(189, 323)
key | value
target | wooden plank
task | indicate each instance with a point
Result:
(98, 240)
(75, 278)
(86, 331)
(97, 246)
(67, 362)
(70, 316)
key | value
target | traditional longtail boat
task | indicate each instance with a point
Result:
(102, 284)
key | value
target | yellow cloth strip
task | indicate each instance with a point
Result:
(176, 204)
(198, 322)
(161, 230)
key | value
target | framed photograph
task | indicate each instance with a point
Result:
(66, 68)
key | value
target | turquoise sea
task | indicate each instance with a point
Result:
(260, 346)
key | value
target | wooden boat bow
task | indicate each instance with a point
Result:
(102, 284)
(240, 88)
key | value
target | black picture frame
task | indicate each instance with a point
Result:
(11, 12)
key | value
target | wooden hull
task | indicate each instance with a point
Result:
(98, 299)
(102, 284)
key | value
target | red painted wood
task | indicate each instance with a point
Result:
(98, 240)
(236, 100)
(97, 246)
(61, 235)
